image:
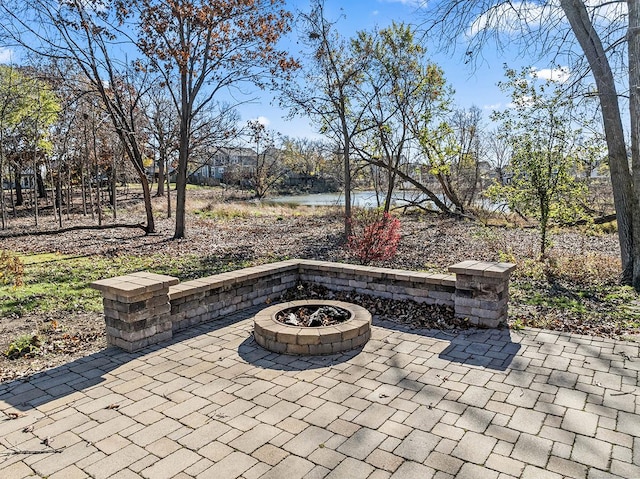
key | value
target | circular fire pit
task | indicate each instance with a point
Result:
(315, 340)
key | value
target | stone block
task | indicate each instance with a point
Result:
(346, 331)
(288, 335)
(344, 345)
(275, 346)
(490, 323)
(361, 340)
(308, 336)
(483, 268)
(488, 314)
(476, 303)
(297, 349)
(320, 349)
(331, 335)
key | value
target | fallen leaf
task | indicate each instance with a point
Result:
(15, 415)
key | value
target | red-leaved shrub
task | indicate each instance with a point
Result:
(374, 236)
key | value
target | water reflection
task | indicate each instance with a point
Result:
(365, 199)
(368, 199)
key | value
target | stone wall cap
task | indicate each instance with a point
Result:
(135, 283)
(483, 268)
(166, 279)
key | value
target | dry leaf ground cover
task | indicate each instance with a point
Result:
(54, 317)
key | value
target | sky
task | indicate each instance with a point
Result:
(473, 86)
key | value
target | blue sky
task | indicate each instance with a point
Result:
(472, 86)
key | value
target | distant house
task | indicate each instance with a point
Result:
(27, 180)
(218, 166)
(490, 174)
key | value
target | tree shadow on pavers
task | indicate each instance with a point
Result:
(43, 387)
(256, 355)
(40, 388)
(490, 348)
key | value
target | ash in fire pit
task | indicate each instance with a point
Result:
(313, 316)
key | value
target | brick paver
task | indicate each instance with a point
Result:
(413, 403)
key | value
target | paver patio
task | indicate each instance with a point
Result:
(413, 404)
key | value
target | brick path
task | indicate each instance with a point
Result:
(412, 404)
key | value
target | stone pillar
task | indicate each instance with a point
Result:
(482, 292)
(137, 312)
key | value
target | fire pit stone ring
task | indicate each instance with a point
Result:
(310, 341)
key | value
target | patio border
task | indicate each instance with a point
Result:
(146, 308)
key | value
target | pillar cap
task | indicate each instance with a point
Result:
(485, 269)
(135, 283)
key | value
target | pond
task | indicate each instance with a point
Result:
(367, 199)
(364, 199)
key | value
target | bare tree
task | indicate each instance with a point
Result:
(163, 132)
(498, 154)
(215, 129)
(82, 32)
(268, 168)
(467, 127)
(202, 49)
(313, 161)
(327, 87)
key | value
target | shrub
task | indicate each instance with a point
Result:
(25, 345)
(374, 236)
(11, 269)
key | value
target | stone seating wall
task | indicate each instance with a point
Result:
(146, 308)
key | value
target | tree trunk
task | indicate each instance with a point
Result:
(84, 190)
(13, 199)
(54, 190)
(391, 178)
(624, 196)
(183, 157)
(42, 191)
(160, 191)
(181, 189)
(633, 38)
(114, 189)
(69, 193)
(146, 191)
(3, 210)
(346, 152)
(418, 185)
(168, 178)
(59, 201)
(18, 186)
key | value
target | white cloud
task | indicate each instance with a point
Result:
(506, 17)
(606, 11)
(512, 17)
(524, 101)
(263, 120)
(6, 55)
(495, 106)
(560, 74)
(409, 3)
